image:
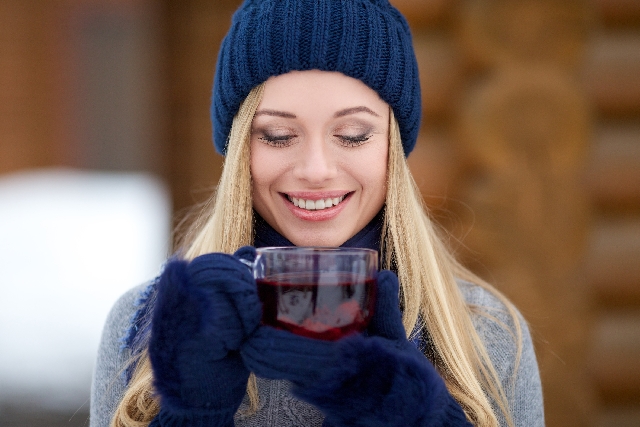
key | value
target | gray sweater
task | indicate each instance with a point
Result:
(279, 408)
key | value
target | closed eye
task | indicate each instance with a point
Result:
(353, 140)
(277, 140)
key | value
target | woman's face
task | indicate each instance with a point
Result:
(319, 146)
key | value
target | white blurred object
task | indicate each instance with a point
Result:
(71, 243)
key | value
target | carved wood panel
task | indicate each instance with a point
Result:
(28, 124)
(523, 135)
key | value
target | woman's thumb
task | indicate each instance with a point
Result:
(387, 318)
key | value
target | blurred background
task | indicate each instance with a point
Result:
(529, 157)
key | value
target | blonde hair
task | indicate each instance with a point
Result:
(410, 245)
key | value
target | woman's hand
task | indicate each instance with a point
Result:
(204, 310)
(378, 380)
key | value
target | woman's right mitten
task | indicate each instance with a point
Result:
(203, 312)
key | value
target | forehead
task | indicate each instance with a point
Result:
(314, 88)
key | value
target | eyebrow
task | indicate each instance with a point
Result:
(354, 110)
(275, 113)
(341, 113)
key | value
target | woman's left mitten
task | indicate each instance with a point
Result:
(383, 379)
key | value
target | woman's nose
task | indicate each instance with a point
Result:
(316, 161)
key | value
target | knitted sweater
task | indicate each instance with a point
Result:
(277, 407)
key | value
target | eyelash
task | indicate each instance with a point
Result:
(277, 141)
(286, 140)
(353, 141)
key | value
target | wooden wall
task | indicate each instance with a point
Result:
(195, 28)
(27, 87)
(529, 152)
(531, 158)
(82, 85)
(612, 181)
(514, 125)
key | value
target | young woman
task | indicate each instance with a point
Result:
(316, 105)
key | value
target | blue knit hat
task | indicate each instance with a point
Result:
(365, 39)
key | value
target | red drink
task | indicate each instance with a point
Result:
(325, 306)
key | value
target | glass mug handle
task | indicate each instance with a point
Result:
(247, 263)
(253, 266)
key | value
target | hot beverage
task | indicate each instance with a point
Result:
(326, 305)
(323, 293)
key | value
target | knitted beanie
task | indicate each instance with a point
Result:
(365, 39)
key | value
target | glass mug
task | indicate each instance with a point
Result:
(323, 293)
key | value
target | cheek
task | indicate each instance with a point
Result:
(266, 171)
(376, 174)
(379, 185)
(259, 180)
(261, 173)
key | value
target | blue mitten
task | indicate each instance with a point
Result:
(379, 380)
(204, 310)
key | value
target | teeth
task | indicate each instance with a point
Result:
(313, 205)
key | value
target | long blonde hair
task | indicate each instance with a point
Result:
(410, 245)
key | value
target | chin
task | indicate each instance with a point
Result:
(318, 240)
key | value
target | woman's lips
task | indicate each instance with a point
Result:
(316, 207)
(319, 204)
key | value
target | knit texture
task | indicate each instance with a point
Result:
(379, 380)
(519, 375)
(365, 39)
(204, 310)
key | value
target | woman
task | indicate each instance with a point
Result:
(316, 104)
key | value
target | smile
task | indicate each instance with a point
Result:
(316, 205)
